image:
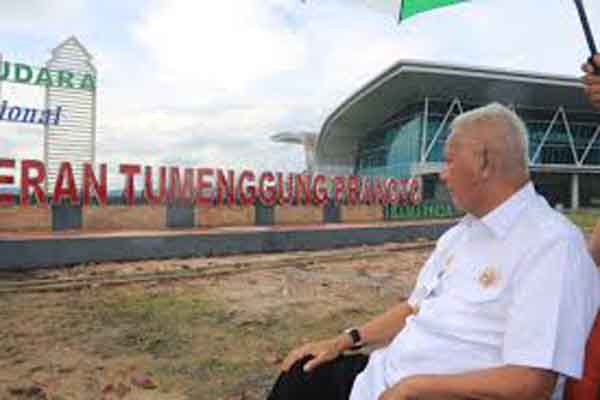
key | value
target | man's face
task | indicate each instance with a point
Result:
(462, 172)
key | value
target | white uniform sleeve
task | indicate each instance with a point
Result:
(553, 308)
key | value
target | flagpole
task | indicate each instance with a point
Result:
(588, 34)
(400, 11)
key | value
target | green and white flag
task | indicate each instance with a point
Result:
(408, 8)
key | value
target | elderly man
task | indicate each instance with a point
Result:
(501, 309)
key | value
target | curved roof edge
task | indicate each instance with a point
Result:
(408, 80)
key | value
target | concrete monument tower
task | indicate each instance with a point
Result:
(74, 139)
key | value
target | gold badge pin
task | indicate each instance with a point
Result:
(488, 277)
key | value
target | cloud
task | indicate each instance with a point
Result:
(39, 17)
(220, 46)
(220, 83)
(232, 73)
(206, 83)
(510, 34)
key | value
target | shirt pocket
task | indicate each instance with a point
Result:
(480, 284)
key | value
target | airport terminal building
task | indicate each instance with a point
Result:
(397, 125)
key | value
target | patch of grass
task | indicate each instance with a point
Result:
(201, 369)
(297, 327)
(161, 324)
(213, 377)
(586, 219)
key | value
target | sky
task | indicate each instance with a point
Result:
(204, 84)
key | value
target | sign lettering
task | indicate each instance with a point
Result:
(26, 74)
(28, 115)
(201, 186)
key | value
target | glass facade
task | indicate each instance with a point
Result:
(392, 149)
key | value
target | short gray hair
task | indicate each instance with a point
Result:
(516, 133)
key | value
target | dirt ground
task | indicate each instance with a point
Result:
(216, 336)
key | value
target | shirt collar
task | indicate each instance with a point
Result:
(501, 219)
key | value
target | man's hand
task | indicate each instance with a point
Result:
(415, 387)
(323, 351)
(507, 382)
(406, 389)
(592, 82)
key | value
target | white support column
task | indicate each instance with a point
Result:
(424, 128)
(574, 192)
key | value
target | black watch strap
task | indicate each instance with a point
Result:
(355, 337)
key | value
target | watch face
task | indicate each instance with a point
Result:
(354, 334)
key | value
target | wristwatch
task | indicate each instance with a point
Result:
(354, 334)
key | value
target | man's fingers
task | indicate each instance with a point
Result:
(294, 356)
(593, 92)
(285, 365)
(315, 362)
(591, 79)
(589, 89)
(589, 68)
(318, 350)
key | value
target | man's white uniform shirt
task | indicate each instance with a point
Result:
(517, 286)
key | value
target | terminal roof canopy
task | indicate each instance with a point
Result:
(409, 82)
